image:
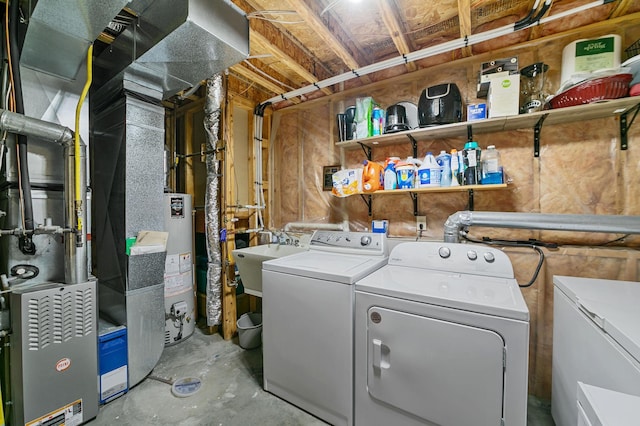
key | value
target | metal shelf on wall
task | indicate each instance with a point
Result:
(608, 108)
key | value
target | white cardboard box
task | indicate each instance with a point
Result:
(504, 96)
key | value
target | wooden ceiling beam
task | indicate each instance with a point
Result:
(621, 8)
(315, 23)
(284, 49)
(395, 29)
(464, 17)
(286, 59)
(251, 75)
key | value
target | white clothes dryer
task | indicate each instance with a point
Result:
(307, 313)
(441, 338)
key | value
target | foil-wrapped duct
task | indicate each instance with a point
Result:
(215, 92)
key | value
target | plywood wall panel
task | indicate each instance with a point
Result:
(581, 169)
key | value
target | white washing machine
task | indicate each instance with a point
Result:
(596, 340)
(441, 338)
(603, 407)
(307, 313)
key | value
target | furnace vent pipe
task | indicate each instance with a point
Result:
(76, 256)
(21, 124)
(557, 222)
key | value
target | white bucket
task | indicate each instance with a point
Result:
(250, 330)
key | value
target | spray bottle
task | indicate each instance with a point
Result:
(444, 161)
(455, 166)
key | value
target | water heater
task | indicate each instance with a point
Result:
(179, 290)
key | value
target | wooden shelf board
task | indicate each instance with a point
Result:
(596, 110)
(438, 189)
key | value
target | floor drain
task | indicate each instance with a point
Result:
(186, 386)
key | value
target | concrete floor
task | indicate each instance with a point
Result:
(231, 392)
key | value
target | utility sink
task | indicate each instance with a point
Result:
(249, 262)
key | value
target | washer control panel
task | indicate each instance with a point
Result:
(453, 257)
(349, 242)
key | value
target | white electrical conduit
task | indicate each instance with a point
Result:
(426, 52)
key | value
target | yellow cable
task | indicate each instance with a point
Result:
(78, 151)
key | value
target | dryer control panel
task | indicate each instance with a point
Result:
(350, 242)
(474, 259)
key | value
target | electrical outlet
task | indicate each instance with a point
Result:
(421, 223)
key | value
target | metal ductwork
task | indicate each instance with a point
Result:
(60, 32)
(175, 45)
(556, 222)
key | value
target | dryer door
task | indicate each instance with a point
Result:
(443, 372)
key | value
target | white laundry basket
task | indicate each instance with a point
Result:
(250, 330)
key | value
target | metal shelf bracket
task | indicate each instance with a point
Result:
(414, 145)
(367, 151)
(536, 136)
(414, 198)
(367, 201)
(625, 125)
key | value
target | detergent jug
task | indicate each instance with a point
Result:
(372, 176)
(390, 178)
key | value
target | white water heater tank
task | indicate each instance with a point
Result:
(179, 291)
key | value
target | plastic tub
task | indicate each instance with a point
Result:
(250, 330)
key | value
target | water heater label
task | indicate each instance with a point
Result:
(177, 207)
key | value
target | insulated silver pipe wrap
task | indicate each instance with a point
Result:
(212, 109)
(557, 222)
(21, 124)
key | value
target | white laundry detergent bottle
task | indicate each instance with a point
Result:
(428, 172)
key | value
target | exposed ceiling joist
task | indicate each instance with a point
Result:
(315, 23)
(288, 60)
(621, 8)
(250, 75)
(396, 31)
(464, 17)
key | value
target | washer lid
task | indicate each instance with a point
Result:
(611, 304)
(607, 407)
(475, 293)
(337, 267)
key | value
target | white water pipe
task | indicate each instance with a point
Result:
(313, 226)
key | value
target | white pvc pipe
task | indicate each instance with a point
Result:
(311, 225)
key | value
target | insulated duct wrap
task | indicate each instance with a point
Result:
(215, 93)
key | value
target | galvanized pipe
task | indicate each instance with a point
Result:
(28, 126)
(557, 222)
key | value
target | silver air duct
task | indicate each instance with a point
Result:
(557, 222)
(60, 32)
(215, 95)
(174, 45)
(76, 258)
